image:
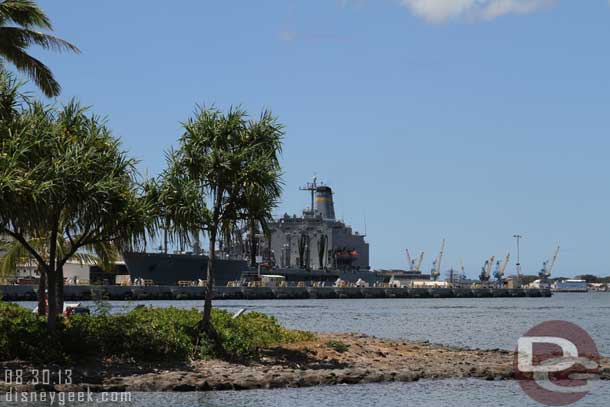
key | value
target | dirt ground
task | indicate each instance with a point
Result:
(329, 359)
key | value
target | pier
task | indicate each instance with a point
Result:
(168, 293)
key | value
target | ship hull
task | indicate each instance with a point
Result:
(169, 269)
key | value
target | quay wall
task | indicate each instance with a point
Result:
(134, 293)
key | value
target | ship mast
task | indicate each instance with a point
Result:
(311, 186)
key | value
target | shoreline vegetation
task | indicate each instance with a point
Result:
(140, 336)
(158, 349)
(68, 191)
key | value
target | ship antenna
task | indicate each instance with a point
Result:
(365, 225)
(311, 186)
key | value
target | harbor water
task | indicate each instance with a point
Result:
(476, 323)
(486, 323)
(426, 393)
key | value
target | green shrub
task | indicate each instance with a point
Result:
(250, 332)
(22, 334)
(144, 334)
(338, 346)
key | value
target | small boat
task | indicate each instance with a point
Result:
(71, 309)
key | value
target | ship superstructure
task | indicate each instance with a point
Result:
(316, 240)
(312, 247)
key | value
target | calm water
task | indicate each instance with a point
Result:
(454, 393)
(477, 323)
(471, 322)
(445, 393)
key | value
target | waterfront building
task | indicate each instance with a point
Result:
(571, 286)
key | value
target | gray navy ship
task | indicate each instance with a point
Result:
(314, 246)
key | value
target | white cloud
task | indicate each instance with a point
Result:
(438, 11)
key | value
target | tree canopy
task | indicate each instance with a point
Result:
(230, 165)
(65, 178)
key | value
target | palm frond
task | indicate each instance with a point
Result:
(25, 13)
(19, 20)
(14, 254)
(36, 70)
(23, 37)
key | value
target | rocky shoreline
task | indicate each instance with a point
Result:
(329, 359)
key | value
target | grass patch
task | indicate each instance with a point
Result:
(337, 346)
(144, 334)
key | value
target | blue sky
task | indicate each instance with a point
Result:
(469, 120)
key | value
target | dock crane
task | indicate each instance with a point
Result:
(419, 261)
(547, 267)
(410, 261)
(486, 269)
(436, 264)
(499, 273)
(414, 264)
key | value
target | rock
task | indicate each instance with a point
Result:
(369, 360)
(184, 387)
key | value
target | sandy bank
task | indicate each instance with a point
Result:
(324, 361)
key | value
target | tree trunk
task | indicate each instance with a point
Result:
(206, 323)
(165, 236)
(52, 279)
(252, 244)
(52, 306)
(42, 295)
(60, 291)
(207, 306)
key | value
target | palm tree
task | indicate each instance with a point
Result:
(181, 207)
(65, 178)
(19, 20)
(16, 254)
(12, 99)
(262, 185)
(258, 214)
(13, 255)
(233, 161)
(212, 153)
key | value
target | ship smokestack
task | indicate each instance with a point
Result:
(324, 202)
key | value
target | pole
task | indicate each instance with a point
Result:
(518, 264)
(312, 199)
